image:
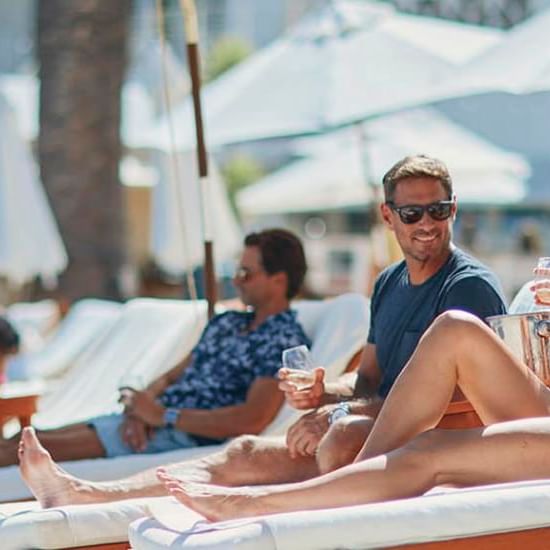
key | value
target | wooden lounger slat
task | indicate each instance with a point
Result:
(532, 539)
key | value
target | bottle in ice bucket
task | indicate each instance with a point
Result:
(543, 272)
(300, 366)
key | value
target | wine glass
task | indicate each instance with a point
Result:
(543, 273)
(134, 382)
(300, 366)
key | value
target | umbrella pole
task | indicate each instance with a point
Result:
(192, 38)
(175, 165)
(376, 263)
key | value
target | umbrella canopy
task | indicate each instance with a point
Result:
(334, 176)
(138, 108)
(349, 61)
(30, 243)
(520, 63)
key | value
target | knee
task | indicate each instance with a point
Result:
(342, 442)
(420, 455)
(242, 448)
(454, 319)
(228, 466)
(457, 326)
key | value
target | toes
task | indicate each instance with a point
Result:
(164, 476)
(28, 436)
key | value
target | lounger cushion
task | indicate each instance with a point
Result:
(434, 517)
(69, 526)
(150, 337)
(87, 321)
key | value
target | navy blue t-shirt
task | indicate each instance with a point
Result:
(401, 312)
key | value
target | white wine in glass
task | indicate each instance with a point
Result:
(300, 367)
(543, 272)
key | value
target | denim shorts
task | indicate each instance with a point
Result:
(163, 439)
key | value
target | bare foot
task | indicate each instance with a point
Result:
(50, 484)
(214, 502)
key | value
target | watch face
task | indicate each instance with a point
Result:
(336, 414)
(171, 417)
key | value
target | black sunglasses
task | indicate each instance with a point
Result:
(412, 213)
(244, 274)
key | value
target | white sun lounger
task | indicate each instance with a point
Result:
(88, 320)
(338, 329)
(33, 321)
(504, 516)
(150, 336)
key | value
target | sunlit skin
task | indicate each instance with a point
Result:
(404, 456)
(541, 287)
(426, 244)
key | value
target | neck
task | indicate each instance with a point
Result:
(263, 311)
(421, 271)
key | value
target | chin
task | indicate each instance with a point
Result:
(245, 301)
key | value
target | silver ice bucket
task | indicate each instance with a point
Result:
(528, 336)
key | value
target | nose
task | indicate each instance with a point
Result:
(426, 220)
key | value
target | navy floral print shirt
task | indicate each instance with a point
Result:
(229, 357)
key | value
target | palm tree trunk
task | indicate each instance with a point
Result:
(82, 55)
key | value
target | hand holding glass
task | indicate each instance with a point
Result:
(300, 366)
(543, 273)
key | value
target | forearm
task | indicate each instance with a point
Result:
(159, 385)
(222, 422)
(340, 390)
(366, 406)
(358, 390)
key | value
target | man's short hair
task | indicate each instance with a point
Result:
(281, 250)
(9, 338)
(417, 166)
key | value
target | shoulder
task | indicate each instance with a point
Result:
(284, 320)
(387, 275)
(285, 325)
(230, 315)
(472, 286)
(228, 318)
(467, 271)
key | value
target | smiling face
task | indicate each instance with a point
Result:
(426, 244)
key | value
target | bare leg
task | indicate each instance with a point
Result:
(517, 450)
(73, 442)
(342, 442)
(247, 459)
(458, 349)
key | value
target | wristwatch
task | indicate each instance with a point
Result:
(341, 410)
(171, 417)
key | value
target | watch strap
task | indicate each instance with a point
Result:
(171, 417)
(342, 409)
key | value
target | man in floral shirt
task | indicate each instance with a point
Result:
(226, 387)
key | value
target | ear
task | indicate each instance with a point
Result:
(454, 210)
(386, 213)
(281, 280)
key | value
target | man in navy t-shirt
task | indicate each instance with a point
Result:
(401, 312)
(434, 276)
